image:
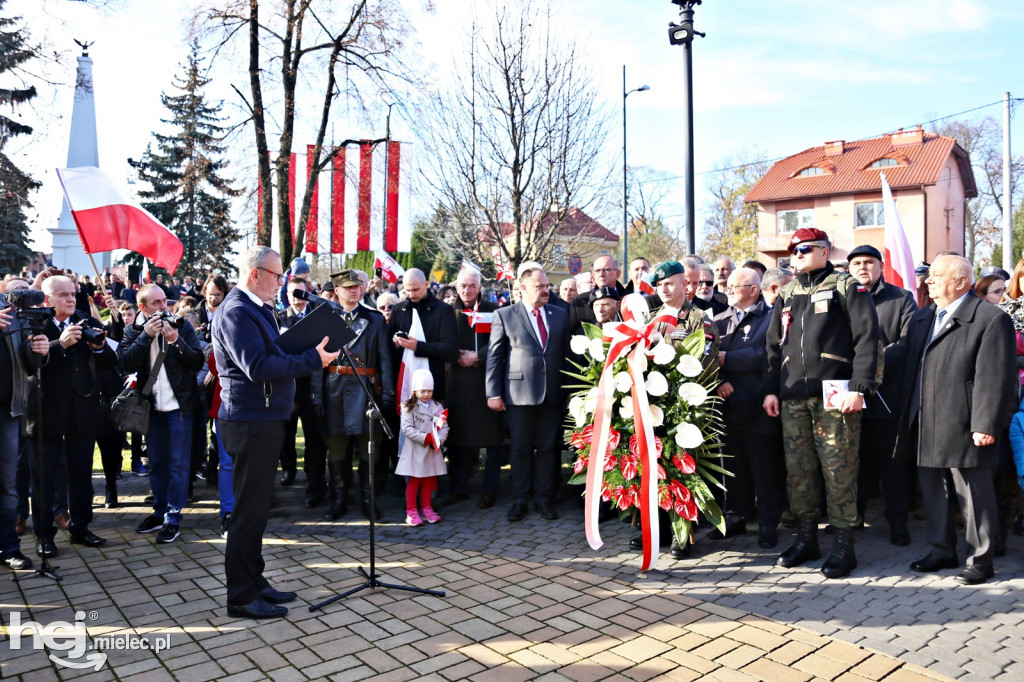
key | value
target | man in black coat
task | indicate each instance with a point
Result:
(439, 344)
(315, 452)
(753, 440)
(959, 382)
(471, 424)
(894, 307)
(74, 412)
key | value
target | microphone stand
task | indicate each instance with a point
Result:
(373, 414)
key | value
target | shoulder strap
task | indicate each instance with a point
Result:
(154, 372)
(787, 291)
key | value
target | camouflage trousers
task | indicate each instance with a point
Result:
(821, 445)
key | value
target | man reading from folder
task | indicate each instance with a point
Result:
(257, 392)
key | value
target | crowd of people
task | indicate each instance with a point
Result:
(835, 387)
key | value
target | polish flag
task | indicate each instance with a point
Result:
(106, 221)
(144, 277)
(501, 267)
(470, 266)
(390, 269)
(899, 261)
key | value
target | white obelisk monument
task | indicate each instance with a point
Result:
(83, 150)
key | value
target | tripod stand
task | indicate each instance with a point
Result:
(373, 414)
(44, 570)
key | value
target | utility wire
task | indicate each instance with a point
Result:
(870, 137)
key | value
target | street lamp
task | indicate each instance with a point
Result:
(625, 194)
(682, 34)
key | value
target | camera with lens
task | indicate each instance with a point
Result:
(25, 303)
(93, 335)
(174, 320)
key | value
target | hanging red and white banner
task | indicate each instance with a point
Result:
(899, 261)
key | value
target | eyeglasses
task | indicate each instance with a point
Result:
(804, 249)
(279, 275)
(386, 307)
(707, 282)
(730, 290)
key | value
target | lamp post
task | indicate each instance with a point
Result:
(625, 190)
(682, 34)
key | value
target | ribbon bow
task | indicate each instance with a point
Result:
(630, 338)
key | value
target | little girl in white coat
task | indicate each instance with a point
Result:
(421, 459)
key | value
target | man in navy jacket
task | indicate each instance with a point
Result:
(257, 393)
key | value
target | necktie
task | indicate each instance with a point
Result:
(350, 318)
(938, 323)
(541, 328)
(740, 315)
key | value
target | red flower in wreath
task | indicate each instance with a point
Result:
(629, 466)
(685, 462)
(687, 510)
(664, 497)
(634, 446)
(611, 462)
(680, 492)
(579, 465)
(606, 493)
(613, 439)
(581, 439)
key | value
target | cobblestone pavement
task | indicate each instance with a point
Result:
(524, 601)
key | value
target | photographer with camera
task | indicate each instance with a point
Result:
(167, 343)
(74, 411)
(16, 364)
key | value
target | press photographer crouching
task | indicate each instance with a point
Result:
(74, 410)
(165, 352)
(19, 350)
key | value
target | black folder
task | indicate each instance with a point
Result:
(308, 332)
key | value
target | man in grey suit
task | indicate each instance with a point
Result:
(959, 382)
(529, 341)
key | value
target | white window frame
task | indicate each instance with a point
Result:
(805, 218)
(879, 215)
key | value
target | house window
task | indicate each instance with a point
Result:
(883, 163)
(559, 253)
(809, 171)
(791, 221)
(870, 215)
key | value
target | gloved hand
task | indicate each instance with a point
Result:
(428, 440)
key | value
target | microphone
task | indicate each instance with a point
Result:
(304, 295)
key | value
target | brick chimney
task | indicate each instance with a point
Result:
(834, 148)
(907, 138)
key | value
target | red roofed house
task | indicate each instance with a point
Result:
(836, 188)
(578, 234)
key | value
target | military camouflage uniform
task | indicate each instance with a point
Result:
(689, 320)
(819, 334)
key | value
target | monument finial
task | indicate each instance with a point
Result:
(85, 46)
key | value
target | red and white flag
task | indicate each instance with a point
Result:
(390, 270)
(106, 221)
(502, 267)
(360, 200)
(468, 265)
(144, 277)
(435, 429)
(478, 321)
(645, 284)
(899, 261)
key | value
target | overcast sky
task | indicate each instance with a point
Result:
(778, 76)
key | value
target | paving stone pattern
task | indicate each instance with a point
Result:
(524, 601)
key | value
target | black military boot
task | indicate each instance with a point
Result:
(339, 506)
(111, 500)
(843, 559)
(806, 546)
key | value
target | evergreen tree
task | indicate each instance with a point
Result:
(189, 194)
(14, 184)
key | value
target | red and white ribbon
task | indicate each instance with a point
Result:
(630, 338)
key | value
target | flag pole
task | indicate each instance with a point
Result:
(99, 278)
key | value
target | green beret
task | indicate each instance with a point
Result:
(666, 270)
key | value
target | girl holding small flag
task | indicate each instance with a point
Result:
(425, 427)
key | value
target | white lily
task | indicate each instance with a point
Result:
(597, 349)
(623, 382)
(656, 384)
(590, 401)
(657, 416)
(689, 366)
(663, 353)
(688, 436)
(578, 410)
(693, 393)
(626, 407)
(579, 344)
